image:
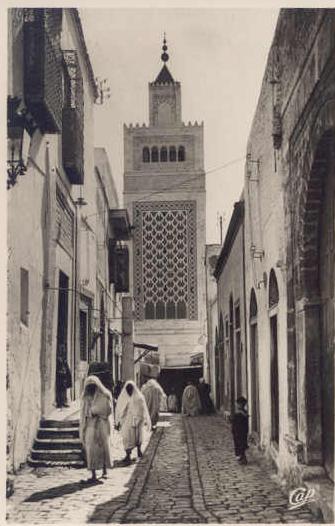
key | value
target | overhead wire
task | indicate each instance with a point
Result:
(185, 181)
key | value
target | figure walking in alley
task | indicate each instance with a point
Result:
(204, 389)
(131, 415)
(190, 403)
(240, 429)
(95, 427)
(172, 402)
(154, 397)
(63, 378)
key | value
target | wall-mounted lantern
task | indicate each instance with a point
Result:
(18, 141)
(256, 253)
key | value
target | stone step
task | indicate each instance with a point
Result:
(55, 463)
(59, 424)
(57, 443)
(67, 455)
(57, 432)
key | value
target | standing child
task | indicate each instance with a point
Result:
(240, 428)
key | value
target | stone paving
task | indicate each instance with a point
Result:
(188, 475)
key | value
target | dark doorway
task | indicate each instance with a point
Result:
(326, 283)
(62, 329)
(110, 352)
(255, 424)
(63, 310)
(102, 329)
(274, 381)
(232, 356)
(174, 380)
(238, 351)
(254, 377)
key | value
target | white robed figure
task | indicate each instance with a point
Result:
(95, 426)
(155, 398)
(131, 415)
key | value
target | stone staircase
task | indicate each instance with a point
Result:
(57, 444)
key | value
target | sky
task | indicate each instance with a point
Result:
(218, 55)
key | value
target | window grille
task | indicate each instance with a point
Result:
(24, 304)
(165, 263)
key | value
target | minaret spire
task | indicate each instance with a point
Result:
(164, 55)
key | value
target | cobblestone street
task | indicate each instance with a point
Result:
(188, 474)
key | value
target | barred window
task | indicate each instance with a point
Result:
(154, 154)
(181, 154)
(164, 155)
(173, 154)
(146, 155)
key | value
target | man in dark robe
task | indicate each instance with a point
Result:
(240, 429)
(63, 380)
(204, 389)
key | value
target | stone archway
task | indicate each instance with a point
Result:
(254, 364)
(315, 316)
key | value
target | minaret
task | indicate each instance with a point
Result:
(164, 96)
(164, 191)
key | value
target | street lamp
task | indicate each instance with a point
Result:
(18, 142)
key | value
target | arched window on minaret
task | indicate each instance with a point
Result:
(172, 154)
(154, 154)
(164, 155)
(146, 155)
(181, 154)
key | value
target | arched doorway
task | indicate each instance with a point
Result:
(316, 285)
(326, 284)
(254, 376)
(274, 375)
(221, 360)
(217, 370)
(231, 355)
(102, 329)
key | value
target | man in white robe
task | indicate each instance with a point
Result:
(155, 397)
(131, 415)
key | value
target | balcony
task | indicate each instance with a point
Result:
(73, 119)
(118, 256)
(72, 146)
(42, 68)
(119, 223)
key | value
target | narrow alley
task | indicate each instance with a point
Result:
(188, 475)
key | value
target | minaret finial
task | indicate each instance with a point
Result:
(164, 55)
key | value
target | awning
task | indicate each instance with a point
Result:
(119, 221)
(146, 346)
(181, 367)
(197, 359)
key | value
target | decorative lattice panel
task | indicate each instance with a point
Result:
(165, 259)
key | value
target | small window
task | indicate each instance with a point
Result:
(171, 310)
(164, 155)
(173, 154)
(160, 310)
(181, 154)
(146, 155)
(154, 154)
(24, 306)
(181, 310)
(149, 311)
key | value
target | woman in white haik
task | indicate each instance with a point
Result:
(131, 415)
(96, 409)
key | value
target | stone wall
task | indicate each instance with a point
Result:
(294, 110)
